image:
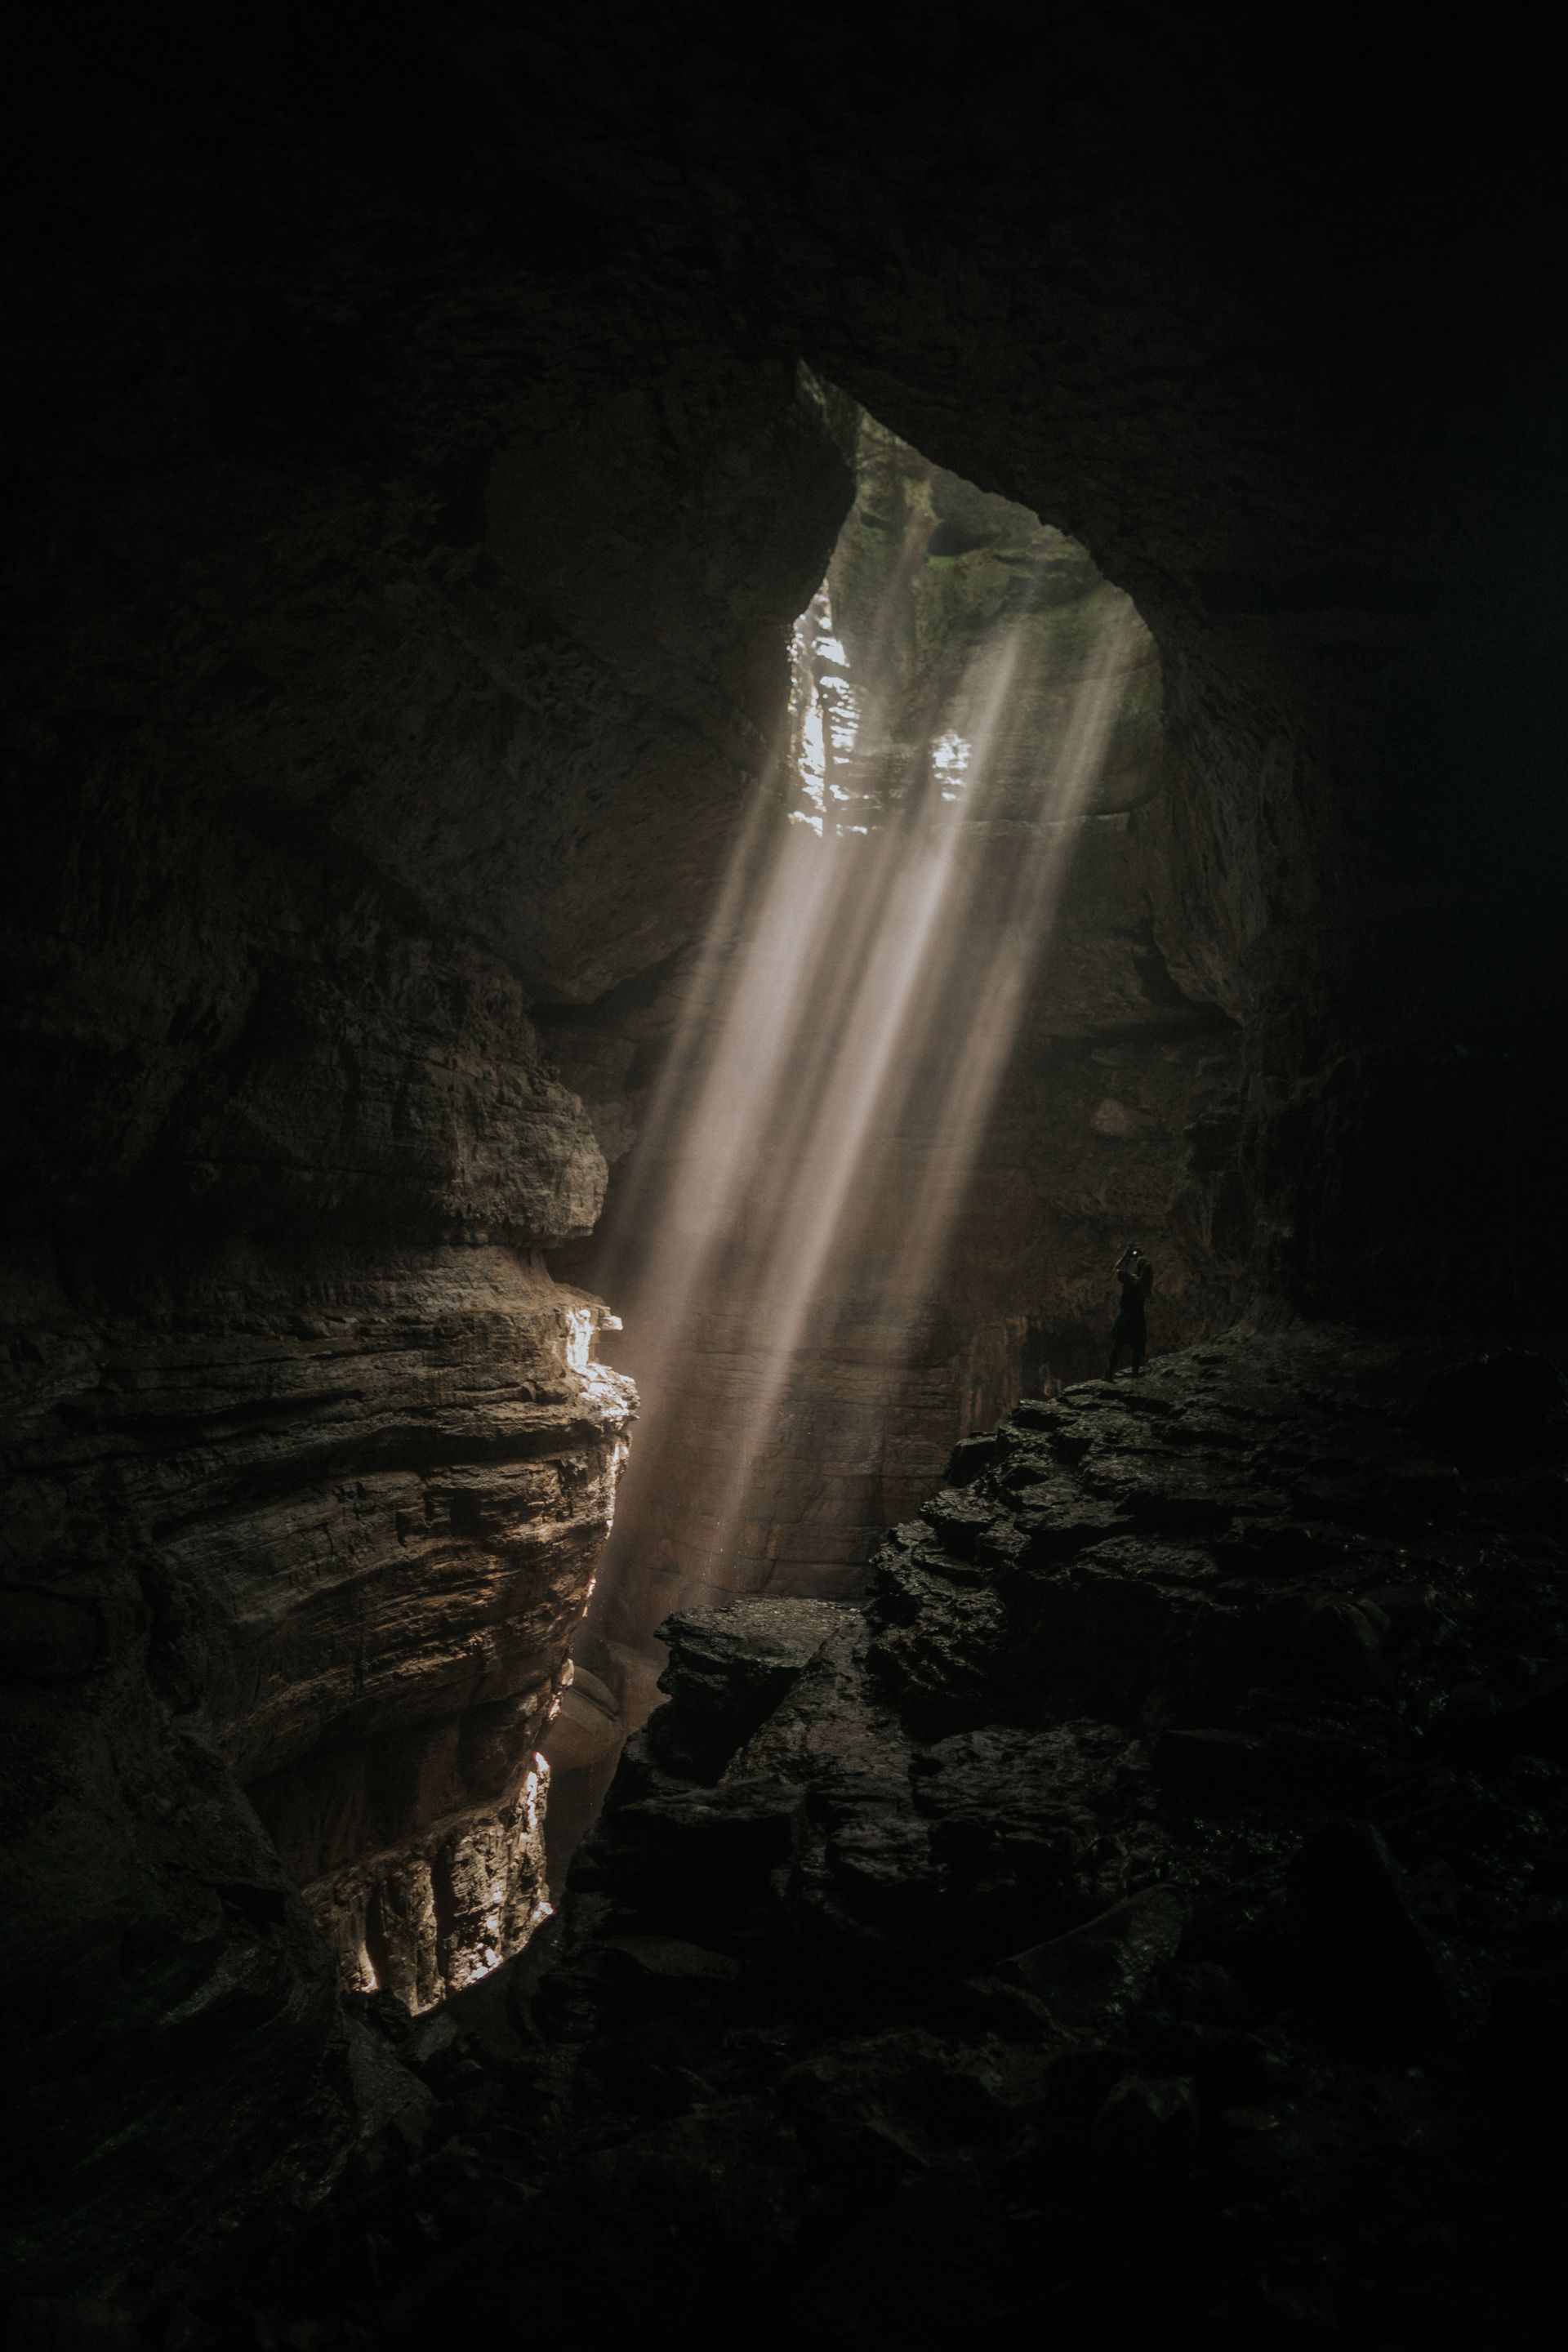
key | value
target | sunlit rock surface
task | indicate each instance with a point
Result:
(331, 1552)
(382, 1702)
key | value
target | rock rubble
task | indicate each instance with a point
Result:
(1144, 1916)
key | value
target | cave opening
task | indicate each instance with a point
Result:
(923, 1065)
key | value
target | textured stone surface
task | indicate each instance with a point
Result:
(729, 1668)
(1222, 1973)
(331, 1551)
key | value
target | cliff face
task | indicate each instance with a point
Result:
(436, 1467)
(326, 1550)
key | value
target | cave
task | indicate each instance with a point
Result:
(698, 705)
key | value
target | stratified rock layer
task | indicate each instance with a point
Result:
(1144, 1918)
(330, 1552)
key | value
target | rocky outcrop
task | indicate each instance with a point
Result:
(328, 1551)
(1144, 1914)
(383, 1702)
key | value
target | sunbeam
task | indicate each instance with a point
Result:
(851, 1016)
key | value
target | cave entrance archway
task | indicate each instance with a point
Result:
(922, 1070)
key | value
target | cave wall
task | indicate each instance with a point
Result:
(339, 735)
(409, 494)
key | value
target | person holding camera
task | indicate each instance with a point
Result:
(1129, 1332)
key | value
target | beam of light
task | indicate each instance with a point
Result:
(773, 899)
(1021, 926)
(871, 960)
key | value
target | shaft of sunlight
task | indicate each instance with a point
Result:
(891, 1000)
(849, 1018)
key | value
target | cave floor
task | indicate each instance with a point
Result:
(1147, 1915)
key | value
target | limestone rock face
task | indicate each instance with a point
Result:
(383, 1703)
(327, 1550)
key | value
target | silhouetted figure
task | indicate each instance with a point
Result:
(1130, 1333)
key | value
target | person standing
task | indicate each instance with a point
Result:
(1129, 1332)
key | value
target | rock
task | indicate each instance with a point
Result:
(729, 1668)
(934, 1643)
(913, 1961)
(1170, 1502)
(1019, 2081)
(1062, 1527)
(1533, 1500)
(727, 2183)
(431, 2037)
(1090, 1978)
(750, 2163)
(969, 1457)
(447, 1906)
(832, 1732)
(695, 1857)
(1429, 1489)
(664, 1959)
(1034, 1413)
(387, 2096)
(875, 1858)
(382, 2013)
(1101, 1629)
(1009, 1828)
(960, 1523)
